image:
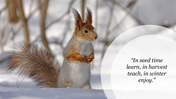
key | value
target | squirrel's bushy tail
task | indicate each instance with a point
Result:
(36, 63)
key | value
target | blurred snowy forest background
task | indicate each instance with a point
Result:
(50, 24)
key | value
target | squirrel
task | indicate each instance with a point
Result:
(43, 68)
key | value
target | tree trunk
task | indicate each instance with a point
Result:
(43, 10)
(12, 11)
(23, 20)
(82, 9)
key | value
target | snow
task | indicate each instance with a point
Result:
(50, 93)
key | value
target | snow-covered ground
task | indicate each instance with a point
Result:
(50, 93)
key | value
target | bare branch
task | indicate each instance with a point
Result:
(67, 25)
(6, 36)
(3, 9)
(131, 4)
(43, 11)
(96, 14)
(35, 40)
(58, 43)
(15, 33)
(82, 9)
(62, 16)
(107, 31)
(53, 41)
(96, 24)
(30, 6)
(30, 15)
(126, 10)
(57, 20)
(23, 19)
(2, 35)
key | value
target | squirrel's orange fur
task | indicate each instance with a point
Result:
(74, 55)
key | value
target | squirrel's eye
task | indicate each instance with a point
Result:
(85, 31)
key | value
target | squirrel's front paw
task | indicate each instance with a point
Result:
(85, 59)
(90, 59)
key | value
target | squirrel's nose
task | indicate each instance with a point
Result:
(96, 37)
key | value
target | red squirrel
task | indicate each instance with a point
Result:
(44, 69)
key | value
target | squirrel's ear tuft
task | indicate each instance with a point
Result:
(89, 16)
(78, 20)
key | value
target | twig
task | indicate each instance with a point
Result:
(119, 23)
(2, 35)
(30, 15)
(18, 85)
(96, 25)
(57, 20)
(107, 31)
(68, 11)
(3, 9)
(67, 25)
(30, 6)
(96, 14)
(129, 12)
(7, 35)
(56, 42)
(130, 5)
(17, 31)
(35, 39)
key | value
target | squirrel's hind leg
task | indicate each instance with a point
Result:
(87, 86)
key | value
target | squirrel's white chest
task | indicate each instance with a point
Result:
(85, 49)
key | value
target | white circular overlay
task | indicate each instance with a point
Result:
(141, 64)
